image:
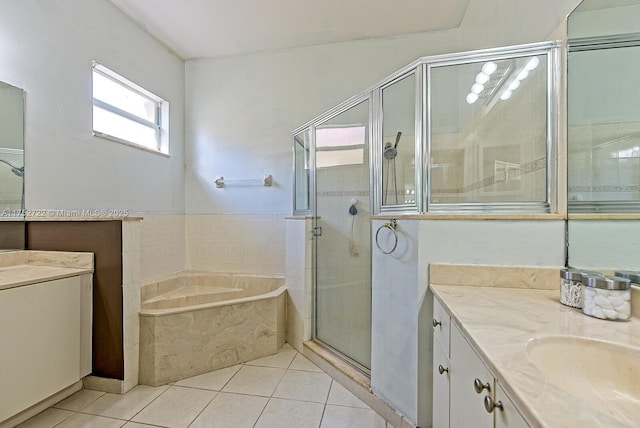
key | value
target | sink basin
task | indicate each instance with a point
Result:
(603, 374)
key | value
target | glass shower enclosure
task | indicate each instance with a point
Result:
(342, 234)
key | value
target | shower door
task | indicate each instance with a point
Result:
(343, 235)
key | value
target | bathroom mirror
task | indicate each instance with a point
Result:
(603, 134)
(11, 167)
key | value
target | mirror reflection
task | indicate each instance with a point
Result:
(11, 150)
(603, 135)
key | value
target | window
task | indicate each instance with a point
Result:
(339, 145)
(127, 113)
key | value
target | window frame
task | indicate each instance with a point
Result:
(160, 126)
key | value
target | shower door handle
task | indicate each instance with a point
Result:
(317, 231)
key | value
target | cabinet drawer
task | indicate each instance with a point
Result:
(441, 325)
(440, 387)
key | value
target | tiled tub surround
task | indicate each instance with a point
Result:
(196, 322)
(499, 321)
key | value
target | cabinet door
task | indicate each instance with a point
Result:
(508, 416)
(441, 324)
(466, 405)
(440, 387)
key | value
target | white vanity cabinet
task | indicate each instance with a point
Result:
(441, 324)
(45, 328)
(468, 375)
(465, 392)
(509, 417)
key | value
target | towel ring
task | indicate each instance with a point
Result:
(392, 225)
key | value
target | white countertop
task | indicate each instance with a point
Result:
(498, 323)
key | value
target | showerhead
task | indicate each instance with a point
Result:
(19, 171)
(390, 152)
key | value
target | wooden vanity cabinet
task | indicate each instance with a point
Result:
(460, 391)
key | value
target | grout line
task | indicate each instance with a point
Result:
(261, 412)
(68, 417)
(204, 408)
(149, 403)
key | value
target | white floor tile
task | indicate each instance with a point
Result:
(260, 394)
(215, 380)
(302, 363)
(79, 400)
(82, 420)
(255, 380)
(47, 419)
(231, 411)
(124, 406)
(281, 360)
(176, 408)
(304, 386)
(289, 413)
(351, 417)
(341, 396)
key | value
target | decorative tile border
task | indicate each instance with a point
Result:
(613, 188)
(340, 193)
(512, 174)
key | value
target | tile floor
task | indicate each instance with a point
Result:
(285, 390)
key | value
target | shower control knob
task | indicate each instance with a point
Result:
(436, 323)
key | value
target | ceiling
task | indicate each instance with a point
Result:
(213, 28)
(604, 4)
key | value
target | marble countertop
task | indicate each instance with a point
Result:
(498, 323)
(21, 275)
(23, 267)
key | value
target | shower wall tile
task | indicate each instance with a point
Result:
(162, 242)
(236, 243)
(298, 279)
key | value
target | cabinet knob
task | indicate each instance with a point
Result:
(436, 323)
(490, 405)
(478, 386)
(442, 370)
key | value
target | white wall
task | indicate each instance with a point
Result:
(46, 48)
(241, 111)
